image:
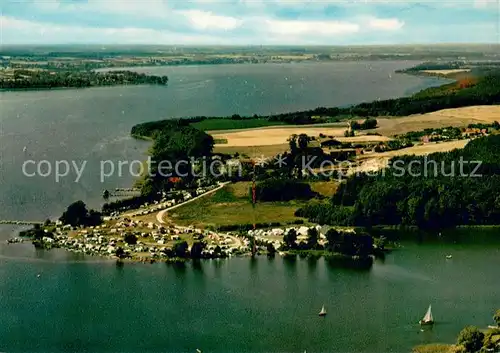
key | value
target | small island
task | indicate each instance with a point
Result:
(48, 79)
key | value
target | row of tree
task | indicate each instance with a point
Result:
(368, 124)
(344, 243)
(40, 79)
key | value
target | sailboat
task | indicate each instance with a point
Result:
(323, 311)
(428, 319)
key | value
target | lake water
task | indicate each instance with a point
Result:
(244, 305)
(82, 304)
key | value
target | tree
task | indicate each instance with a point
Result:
(369, 123)
(217, 251)
(496, 317)
(130, 238)
(293, 145)
(312, 238)
(303, 141)
(491, 338)
(290, 238)
(119, 252)
(282, 189)
(349, 133)
(271, 251)
(197, 249)
(77, 214)
(333, 238)
(471, 339)
(180, 248)
(354, 125)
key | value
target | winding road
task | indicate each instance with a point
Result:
(160, 215)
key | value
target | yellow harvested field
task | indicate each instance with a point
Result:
(420, 150)
(459, 117)
(272, 136)
(279, 136)
(253, 151)
(445, 72)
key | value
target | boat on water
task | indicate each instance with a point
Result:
(323, 311)
(428, 319)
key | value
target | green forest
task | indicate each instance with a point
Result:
(460, 187)
(39, 79)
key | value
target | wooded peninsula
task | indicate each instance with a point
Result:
(43, 79)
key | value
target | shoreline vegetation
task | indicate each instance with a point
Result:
(470, 340)
(67, 57)
(478, 87)
(22, 79)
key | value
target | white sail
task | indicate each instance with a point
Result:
(428, 316)
(323, 311)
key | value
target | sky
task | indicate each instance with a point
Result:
(249, 22)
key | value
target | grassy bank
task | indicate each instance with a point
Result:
(435, 348)
(232, 124)
(231, 206)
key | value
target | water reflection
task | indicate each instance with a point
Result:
(253, 263)
(179, 269)
(197, 266)
(312, 264)
(119, 264)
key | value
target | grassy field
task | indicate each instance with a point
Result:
(458, 117)
(231, 124)
(273, 136)
(209, 212)
(324, 188)
(231, 205)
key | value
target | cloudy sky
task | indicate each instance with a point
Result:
(255, 22)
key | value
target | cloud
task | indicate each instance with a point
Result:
(311, 27)
(251, 22)
(389, 24)
(207, 20)
(15, 31)
(483, 4)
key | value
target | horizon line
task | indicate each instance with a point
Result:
(255, 45)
